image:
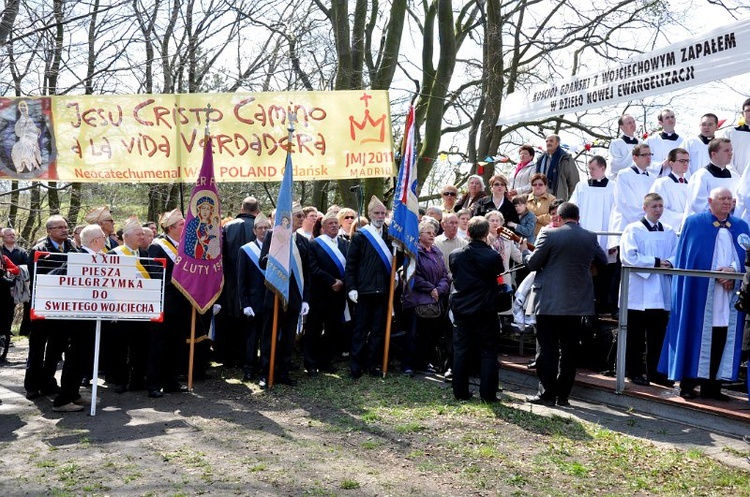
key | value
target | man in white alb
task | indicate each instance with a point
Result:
(740, 138)
(714, 175)
(673, 188)
(620, 148)
(631, 186)
(697, 146)
(661, 143)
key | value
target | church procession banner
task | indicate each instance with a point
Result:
(713, 56)
(159, 138)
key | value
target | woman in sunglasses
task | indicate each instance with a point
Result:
(346, 217)
(449, 194)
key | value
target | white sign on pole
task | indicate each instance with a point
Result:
(713, 56)
(99, 286)
(85, 286)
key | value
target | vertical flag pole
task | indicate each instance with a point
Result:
(389, 316)
(274, 336)
(192, 351)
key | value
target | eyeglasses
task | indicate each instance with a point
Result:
(348, 217)
(645, 155)
(683, 161)
(449, 194)
(537, 184)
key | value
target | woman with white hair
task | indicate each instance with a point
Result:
(475, 192)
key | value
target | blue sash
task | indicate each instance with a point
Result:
(379, 245)
(296, 264)
(334, 257)
(253, 256)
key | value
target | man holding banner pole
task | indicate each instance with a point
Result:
(368, 280)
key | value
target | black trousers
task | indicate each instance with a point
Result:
(253, 332)
(646, 331)
(322, 332)
(47, 342)
(79, 345)
(230, 341)
(711, 385)
(287, 330)
(476, 332)
(369, 332)
(558, 338)
(166, 344)
(7, 310)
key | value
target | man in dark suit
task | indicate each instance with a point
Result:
(296, 307)
(565, 294)
(164, 346)
(473, 301)
(327, 312)
(251, 291)
(229, 343)
(45, 345)
(367, 279)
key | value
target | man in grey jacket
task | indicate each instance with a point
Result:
(565, 294)
(560, 169)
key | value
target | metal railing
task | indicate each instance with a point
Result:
(622, 334)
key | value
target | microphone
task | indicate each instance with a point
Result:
(354, 188)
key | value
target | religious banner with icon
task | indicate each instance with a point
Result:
(159, 138)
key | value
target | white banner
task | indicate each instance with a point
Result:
(97, 286)
(713, 56)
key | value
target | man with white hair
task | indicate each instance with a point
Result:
(704, 334)
(367, 279)
(329, 310)
(127, 343)
(449, 240)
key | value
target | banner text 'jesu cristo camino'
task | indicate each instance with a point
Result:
(160, 138)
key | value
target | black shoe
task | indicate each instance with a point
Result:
(355, 374)
(285, 380)
(176, 388)
(312, 372)
(464, 397)
(376, 372)
(53, 390)
(563, 402)
(33, 394)
(136, 386)
(539, 400)
(121, 388)
(688, 394)
(263, 383)
(86, 382)
(155, 394)
(330, 368)
(639, 380)
(715, 395)
(663, 382)
(531, 365)
(247, 377)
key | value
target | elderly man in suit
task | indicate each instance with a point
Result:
(565, 294)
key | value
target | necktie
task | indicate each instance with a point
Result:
(682, 180)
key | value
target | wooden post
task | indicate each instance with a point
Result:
(192, 351)
(388, 317)
(274, 335)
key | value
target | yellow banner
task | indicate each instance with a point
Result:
(159, 138)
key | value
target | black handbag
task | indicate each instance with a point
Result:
(429, 311)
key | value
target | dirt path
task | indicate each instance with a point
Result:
(324, 437)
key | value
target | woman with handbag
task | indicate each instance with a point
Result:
(423, 303)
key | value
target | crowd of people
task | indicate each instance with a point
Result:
(540, 234)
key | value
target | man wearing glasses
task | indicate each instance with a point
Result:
(673, 188)
(633, 183)
(45, 344)
(103, 217)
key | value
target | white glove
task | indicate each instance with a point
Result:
(353, 296)
(217, 308)
(248, 311)
(305, 309)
